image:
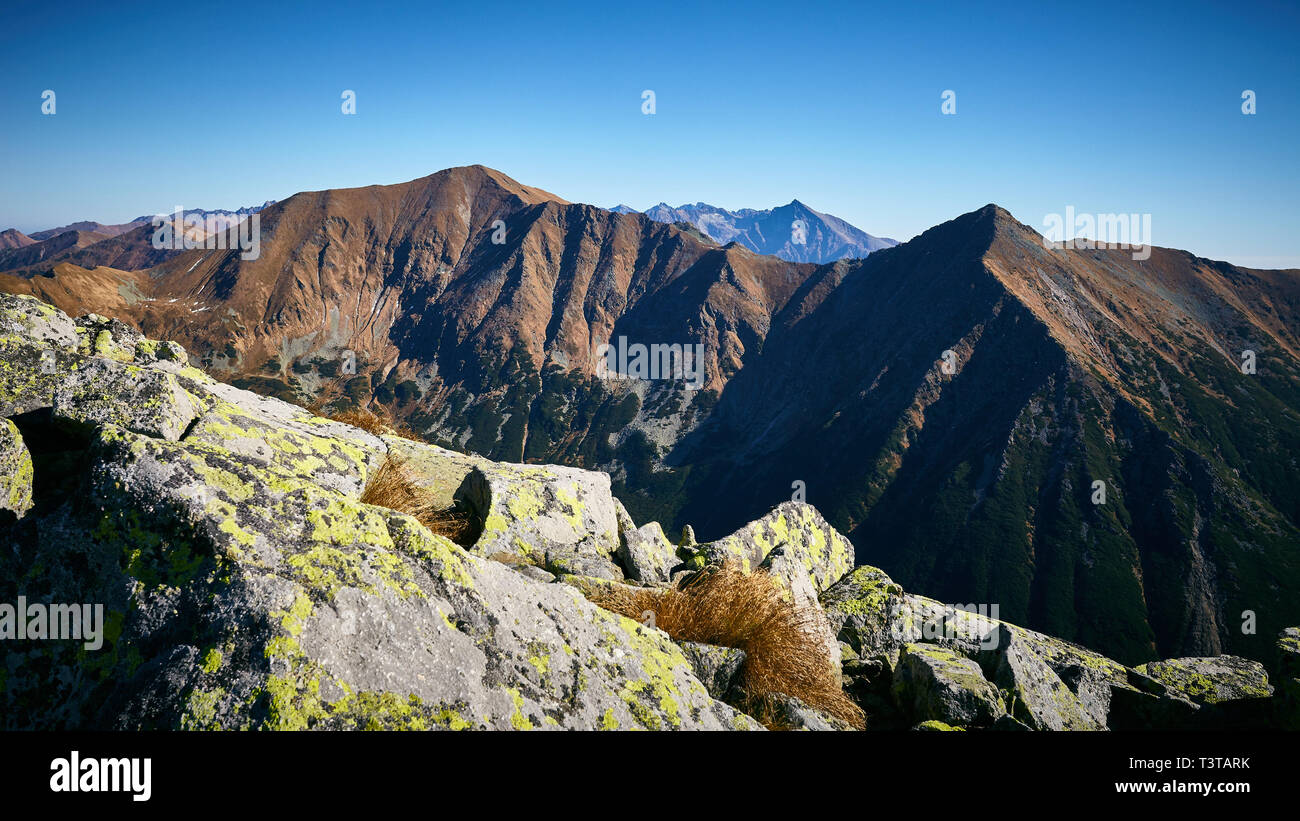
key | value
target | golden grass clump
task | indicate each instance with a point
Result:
(784, 653)
(371, 422)
(392, 486)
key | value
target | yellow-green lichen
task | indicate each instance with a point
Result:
(518, 720)
(211, 661)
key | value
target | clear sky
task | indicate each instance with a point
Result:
(1109, 108)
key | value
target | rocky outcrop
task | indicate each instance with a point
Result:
(644, 552)
(245, 585)
(233, 577)
(933, 683)
(799, 528)
(912, 660)
(561, 519)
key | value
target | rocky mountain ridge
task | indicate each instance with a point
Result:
(126, 245)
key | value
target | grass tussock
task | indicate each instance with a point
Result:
(380, 424)
(392, 486)
(724, 606)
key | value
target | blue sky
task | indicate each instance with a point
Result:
(1109, 108)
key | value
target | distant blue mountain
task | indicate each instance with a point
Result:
(794, 232)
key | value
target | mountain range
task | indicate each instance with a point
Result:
(792, 232)
(1103, 447)
(36, 252)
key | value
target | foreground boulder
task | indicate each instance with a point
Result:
(932, 683)
(644, 552)
(718, 667)
(557, 518)
(1038, 697)
(244, 584)
(864, 610)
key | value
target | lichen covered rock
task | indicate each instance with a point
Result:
(247, 586)
(933, 726)
(821, 548)
(100, 391)
(559, 518)
(644, 553)
(15, 470)
(1039, 699)
(863, 609)
(716, 666)
(38, 345)
(935, 683)
(1211, 680)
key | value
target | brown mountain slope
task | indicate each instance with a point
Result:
(11, 238)
(1173, 295)
(105, 291)
(44, 254)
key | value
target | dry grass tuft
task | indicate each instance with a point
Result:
(723, 606)
(392, 487)
(361, 418)
(380, 424)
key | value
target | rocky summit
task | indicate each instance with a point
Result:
(245, 584)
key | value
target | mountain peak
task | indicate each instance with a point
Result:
(823, 238)
(478, 176)
(13, 238)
